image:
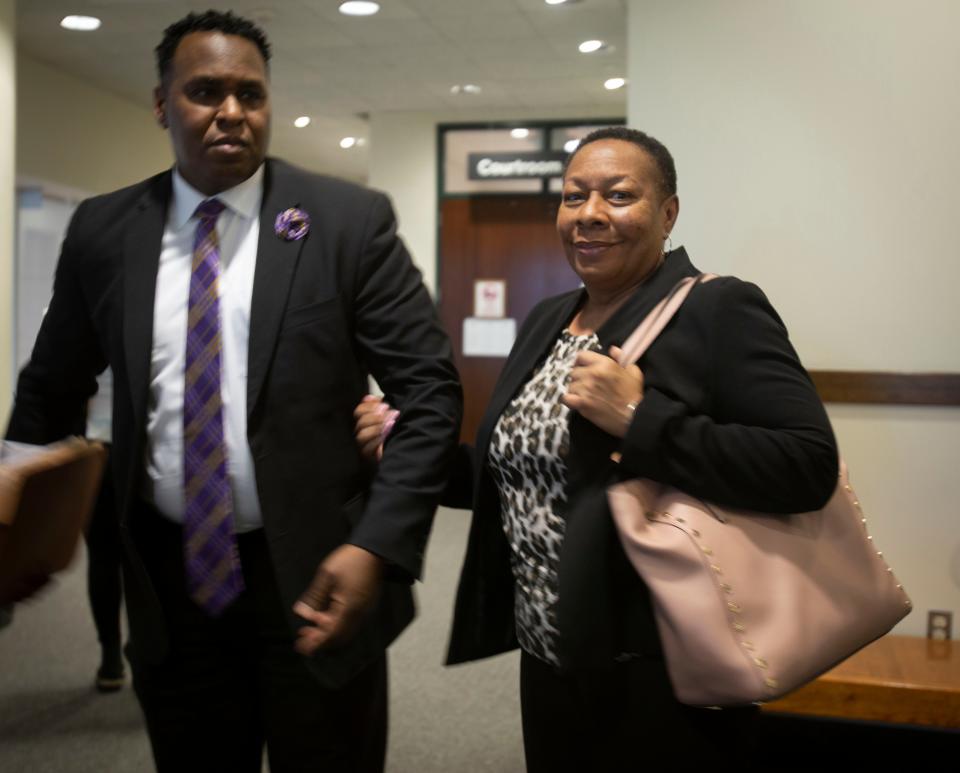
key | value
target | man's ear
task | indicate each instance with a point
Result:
(160, 106)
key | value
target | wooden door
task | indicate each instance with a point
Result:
(496, 237)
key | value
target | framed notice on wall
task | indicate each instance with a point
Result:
(490, 298)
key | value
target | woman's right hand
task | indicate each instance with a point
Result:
(374, 420)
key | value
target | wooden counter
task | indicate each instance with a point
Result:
(898, 679)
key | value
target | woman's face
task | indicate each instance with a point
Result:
(613, 217)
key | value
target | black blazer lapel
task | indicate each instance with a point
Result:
(141, 259)
(624, 321)
(276, 265)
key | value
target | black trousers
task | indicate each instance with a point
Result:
(234, 683)
(624, 719)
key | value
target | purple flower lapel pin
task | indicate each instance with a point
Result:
(292, 224)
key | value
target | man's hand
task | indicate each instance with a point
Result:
(344, 590)
(374, 420)
(603, 392)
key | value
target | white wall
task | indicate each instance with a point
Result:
(403, 163)
(78, 136)
(817, 156)
(7, 200)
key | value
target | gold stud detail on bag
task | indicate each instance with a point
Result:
(716, 568)
(747, 645)
(706, 551)
(761, 663)
(739, 628)
(771, 682)
(733, 606)
(726, 588)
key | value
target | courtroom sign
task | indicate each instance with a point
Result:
(516, 166)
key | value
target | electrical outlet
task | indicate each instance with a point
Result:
(939, 624)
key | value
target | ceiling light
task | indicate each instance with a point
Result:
(519, 134)
(359, 8)
(571, 145)
(465, 88)
(302, 121)
(348, 142)
(613, 83)
(589, 46)
(80, 23)
(559, 2)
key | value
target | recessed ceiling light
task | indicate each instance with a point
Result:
(519, 134)
(348, 142)
(80, 23)
(571, 145)
(613, 83)
(465, 88)
(302, 121)
(589, 46)
(559, 2)
(359, 8)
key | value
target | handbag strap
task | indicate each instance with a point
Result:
(652, 325)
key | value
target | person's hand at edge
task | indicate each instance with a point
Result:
(374, 420)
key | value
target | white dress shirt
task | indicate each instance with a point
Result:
(238, 229)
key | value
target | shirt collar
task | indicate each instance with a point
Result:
(243, 199)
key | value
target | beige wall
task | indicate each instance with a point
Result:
(7, 197)
(816, 152)
(78, 136)
(74, 140)
(403, 163)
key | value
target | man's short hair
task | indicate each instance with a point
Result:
(209, 21)
(656, 150)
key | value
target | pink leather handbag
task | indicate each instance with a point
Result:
(750, 606)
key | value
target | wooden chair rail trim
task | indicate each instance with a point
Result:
(887, 388)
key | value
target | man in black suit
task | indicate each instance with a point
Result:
(241, 304)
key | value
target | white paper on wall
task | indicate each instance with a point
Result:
(488, 337)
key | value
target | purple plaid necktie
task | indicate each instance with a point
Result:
(214, 579)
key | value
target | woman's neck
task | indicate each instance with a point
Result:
(600, 305)
(595, 311)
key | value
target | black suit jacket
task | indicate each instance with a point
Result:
(326, 310)
(728, 415)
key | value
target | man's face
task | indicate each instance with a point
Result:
(215, 101)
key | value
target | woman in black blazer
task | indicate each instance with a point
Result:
(719, 407)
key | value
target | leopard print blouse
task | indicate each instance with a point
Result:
(527, 453)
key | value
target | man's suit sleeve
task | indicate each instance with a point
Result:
(55, 385)
(764, 442)
(410, 356)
